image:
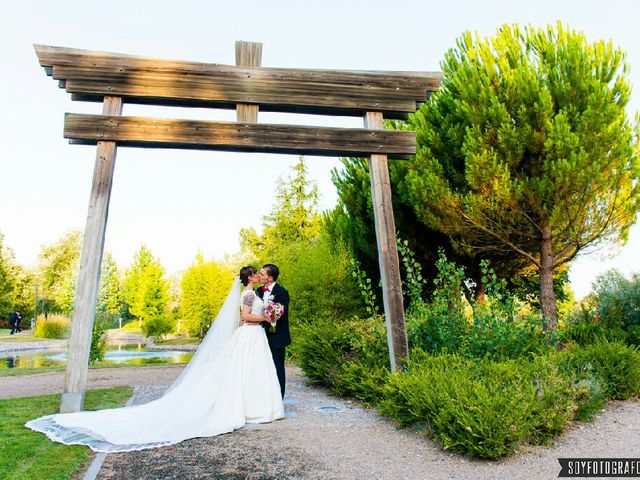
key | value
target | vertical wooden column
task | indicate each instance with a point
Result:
(248, 54)
(89, 274)
(387, 250)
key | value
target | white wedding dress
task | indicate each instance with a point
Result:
(230, 381)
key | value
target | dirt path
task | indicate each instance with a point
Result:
(344, 441)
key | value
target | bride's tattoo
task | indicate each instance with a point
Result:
(248, 300)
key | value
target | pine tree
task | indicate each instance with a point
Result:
(294, 216)
(110, 301)
(526, 149)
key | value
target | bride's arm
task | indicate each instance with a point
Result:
(247, 317)
(245, 314)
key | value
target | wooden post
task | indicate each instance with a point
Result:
(248, 54)
(89, 274)
(387, 250)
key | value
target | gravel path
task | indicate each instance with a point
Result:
(37, 345)
(344, 442)
(46, 383)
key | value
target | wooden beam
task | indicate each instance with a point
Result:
(50, 56)
(247, 80)
(231, 136)
(387, 251)
(89, 274)
(271, 95)
(91, 75)
(248, 54)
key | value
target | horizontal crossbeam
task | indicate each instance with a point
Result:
(232, 136)
(92, 75)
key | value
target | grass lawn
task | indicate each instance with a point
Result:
(131, 327)
(24, 336)
(28, 455)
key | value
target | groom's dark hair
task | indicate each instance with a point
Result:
(272, 271)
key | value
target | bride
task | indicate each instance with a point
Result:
(230, 381)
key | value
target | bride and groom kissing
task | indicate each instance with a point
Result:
(237, 376)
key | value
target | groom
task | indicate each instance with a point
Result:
(278, 340)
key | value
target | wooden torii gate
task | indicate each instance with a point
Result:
(114, 79)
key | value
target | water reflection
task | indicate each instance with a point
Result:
(128, 354)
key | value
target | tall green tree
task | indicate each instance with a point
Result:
(316, 270)
(526, 149)
(145, 288)
(352, 220)
(110, 296)
(58, 266)
(294, 216)
(204, 288)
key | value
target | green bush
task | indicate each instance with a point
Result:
(320, 349)
(480, 408)
(589, 393)
(53, 326)
(589, 332)
(99, 341)
(499, 336)
(440, 324)
(158, 327)
(434, 328)
(350, 357)
(494, 328)
(618, 303)
(615, 364)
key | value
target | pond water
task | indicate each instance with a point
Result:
(130, 354)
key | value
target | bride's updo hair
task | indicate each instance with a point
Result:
(246, 272)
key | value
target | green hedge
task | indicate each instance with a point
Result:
(482, 407)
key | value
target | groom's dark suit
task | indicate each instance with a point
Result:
(279, 339)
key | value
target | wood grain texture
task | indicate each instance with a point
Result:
(232, 136)
(248, 54)
(91, 75)
(387, 250)
(89, 272)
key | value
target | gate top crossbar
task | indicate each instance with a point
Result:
(89, 75)
(92, 76)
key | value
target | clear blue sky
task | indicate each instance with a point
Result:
(179, 202)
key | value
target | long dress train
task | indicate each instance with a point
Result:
(230, 381)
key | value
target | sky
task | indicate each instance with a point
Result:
(178, 202)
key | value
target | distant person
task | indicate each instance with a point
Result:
(14, 322)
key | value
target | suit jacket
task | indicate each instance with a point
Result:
(281, 337)
(14, 319)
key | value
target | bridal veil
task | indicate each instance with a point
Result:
(200, 402)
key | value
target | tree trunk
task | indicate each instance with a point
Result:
(547, 295)
(480, 293)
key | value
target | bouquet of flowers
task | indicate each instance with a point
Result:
(273, 311)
